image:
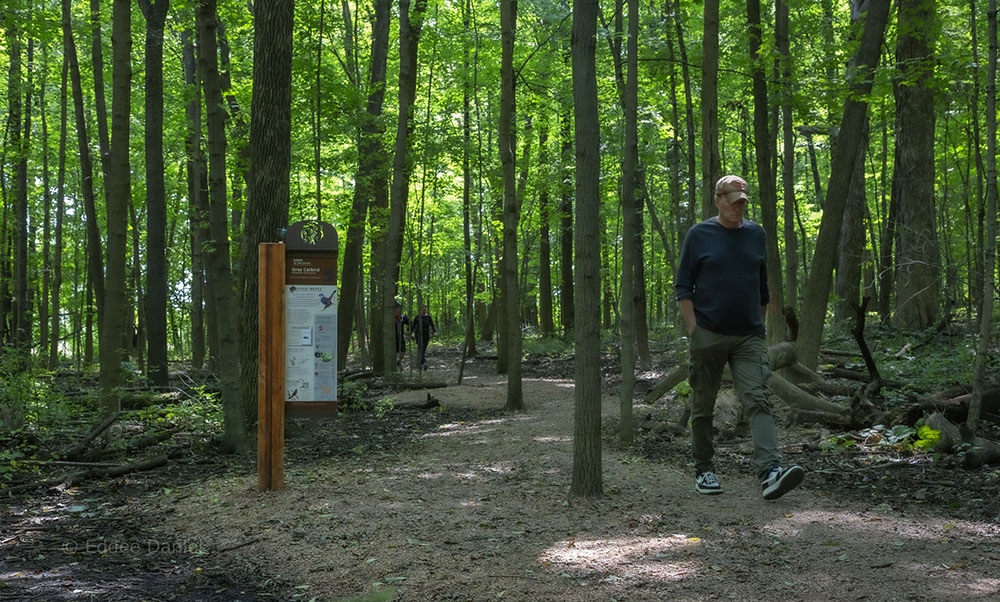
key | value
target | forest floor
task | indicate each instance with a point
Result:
(465, 502)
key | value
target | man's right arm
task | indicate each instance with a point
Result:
(687, 312)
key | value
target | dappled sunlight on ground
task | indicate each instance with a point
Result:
(659, 558)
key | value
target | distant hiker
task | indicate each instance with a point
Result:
(401, 322)
(422, 329)
(721, 287)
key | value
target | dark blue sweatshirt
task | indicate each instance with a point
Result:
(724, 272)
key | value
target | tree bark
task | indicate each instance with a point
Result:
(155, 12)
(507, 140)
(235, 435)
(371, 171)
(844, 155)
(409, 36)
(918, 263)
(711, 166)
(587, 480)
(270, 155)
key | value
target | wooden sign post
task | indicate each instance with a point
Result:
(297, 344)
(271, 367)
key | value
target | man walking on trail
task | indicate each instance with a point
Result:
(721, 287)
(422, 328)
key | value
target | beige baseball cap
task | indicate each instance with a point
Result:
(732, 188)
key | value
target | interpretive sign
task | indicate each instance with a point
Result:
(297, 341)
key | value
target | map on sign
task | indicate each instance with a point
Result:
(310, 343)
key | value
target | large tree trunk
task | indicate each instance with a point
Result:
(587, 478)
(409, 37)
(371, 170)
(19, 136)
(270, 152)
(844, 156)
(235, 436)
(156, 204)
(511, 207)
(918, 263)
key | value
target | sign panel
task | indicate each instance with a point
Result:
(310, 342)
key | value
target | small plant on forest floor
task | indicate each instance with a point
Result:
(899, 438)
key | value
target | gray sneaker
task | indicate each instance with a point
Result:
(780, 481)
(705, 482)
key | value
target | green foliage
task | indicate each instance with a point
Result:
(24, 395)
(550, 347)
(383, 407)
(199, 413)
(351, 397)
(899, 438)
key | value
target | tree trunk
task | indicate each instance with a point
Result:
(19, 138)
(155, 12)
(409, 37)
(57, 276)
(470, 290)
(990, 236)
(196, 171)
(630, 234)
(118, 202)
(587, 480)
(546, 325)
(507, 140)
(918, 262)
(235, 436)
(787, 158)
(371, 171)
(851, 247)
(270, 151)
(566, 289)
(844, 156)
(711, 166)
(763, 152)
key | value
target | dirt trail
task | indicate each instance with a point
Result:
(478, 510)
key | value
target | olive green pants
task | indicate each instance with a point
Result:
(747, 359)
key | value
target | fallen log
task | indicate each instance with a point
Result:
(953, 439)
(779, 356)
(827, 419)
(797, 398)
(80, 476)
(74, 452)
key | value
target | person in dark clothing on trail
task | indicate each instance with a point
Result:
(401, 322)
(422, 329)
(721, 287)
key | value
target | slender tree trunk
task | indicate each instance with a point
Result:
(989, 274)
(197, 192)
(156, 204)
(546, 325)
(711, 166)
(409, 36)
(763, 152)
(787, 157)
(851, 247)
(567, 293)
(54, 331)
(100, 102)
(844, 155)
(20, 109)
(371, 171)
(630, 234)
(587, 478)
(235, 435)
(470, 290)
(118, 202)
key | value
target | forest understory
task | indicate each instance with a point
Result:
(197, 529)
